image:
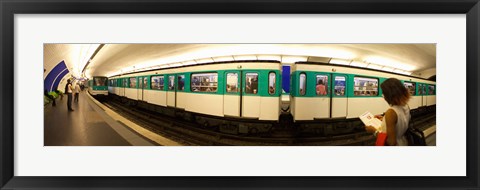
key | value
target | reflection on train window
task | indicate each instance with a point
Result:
(365, 86)
(422, 90)
(340, 86)
(115, 82)
(140, 84)
(321, 85)
(410, 86)
(303, 78)
(125, 82)
(157, 83)
(133, 82)
(171, 82)
(251, 83)
(181, 82)
(232, 82)
(100, 81)
(431, 90)
(145, 82)
(271, 83)
(204, 82)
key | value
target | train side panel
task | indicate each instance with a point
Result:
(269, 108)
(205, 103)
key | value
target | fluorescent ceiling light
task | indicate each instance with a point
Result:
(390, 63)
(244, 57)
(205, 60)
(269, 57)
(358, 64)
(340, 61)
(293, 59)
(374, 66)
(389, 69)
(223, 59)
(191, 62)
(402, 72)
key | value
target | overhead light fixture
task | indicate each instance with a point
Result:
(390, 63)
(223, 59)
(340, 61)
(205, 60)
(293, 59)
(191, 62)
(244, 57)
(402, 72)
(389, 69)
(269, 57)
(374, 66)
(358, 64)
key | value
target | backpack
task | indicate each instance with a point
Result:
(415, 137)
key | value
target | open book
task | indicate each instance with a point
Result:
(368, 119)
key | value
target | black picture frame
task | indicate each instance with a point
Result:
(9, 8)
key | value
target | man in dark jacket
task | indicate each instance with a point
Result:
(69, 91)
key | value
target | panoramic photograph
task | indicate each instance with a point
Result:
(239, 94)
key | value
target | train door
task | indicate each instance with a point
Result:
(232, 95)
(250, 95)
(423, 91)
(125, 85)
(171, 91)
(180, 96)
(338, 107)
(140, 89)
(145, 86)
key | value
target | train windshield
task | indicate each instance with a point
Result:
(100, 81)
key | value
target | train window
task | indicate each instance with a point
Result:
(204, 82)
(340, 86)
(321, 85)
(365, 86)
(410, 86)
(125, 82)
(181, 82)
(303, 82)
(232, 82)
(133, 82)
(251, 83)
(157, 83)
(140, 83)
(171, 82)
(145, 82)
(422, 90)
(100, 81)
(431, 90)
(115, 82)
(271, 83)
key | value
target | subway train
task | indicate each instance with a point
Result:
(98, 86)
(247, 97)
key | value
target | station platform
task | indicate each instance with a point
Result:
(92, 124)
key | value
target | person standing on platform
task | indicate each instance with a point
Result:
(69, 91)
(396, 119)
(77, 90)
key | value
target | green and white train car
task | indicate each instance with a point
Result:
(245, 90)
(350, 91)
(98, 86)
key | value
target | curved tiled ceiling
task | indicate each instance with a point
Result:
(116, 58)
